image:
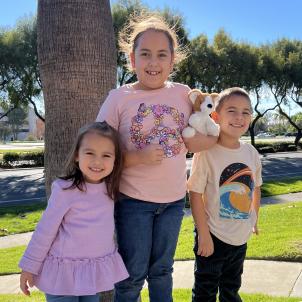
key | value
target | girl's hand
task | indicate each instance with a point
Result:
(205, 245)
(152, 155)
(26, 281)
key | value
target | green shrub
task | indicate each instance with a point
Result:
(31, 138)
(10, 157)
(266, 150)
(26, 159)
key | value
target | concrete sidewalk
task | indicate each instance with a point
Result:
(267, 277)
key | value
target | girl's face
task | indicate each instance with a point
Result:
(152, 60)
(234, 116)
(96, 157)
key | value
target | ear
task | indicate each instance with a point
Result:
(215, 116)
(193, 95)
(132, 59)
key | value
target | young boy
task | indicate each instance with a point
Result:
(225, 197)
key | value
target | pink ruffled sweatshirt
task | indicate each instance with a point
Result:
(72, 251)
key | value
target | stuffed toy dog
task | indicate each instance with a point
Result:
(200, 120)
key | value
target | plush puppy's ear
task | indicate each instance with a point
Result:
(193, 94)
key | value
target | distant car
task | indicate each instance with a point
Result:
(265, 135)
(290, 134)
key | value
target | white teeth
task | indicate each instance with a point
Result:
(153, 72)
(95, 169)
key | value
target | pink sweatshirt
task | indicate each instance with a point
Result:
(72, 251)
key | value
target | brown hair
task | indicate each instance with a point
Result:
(139, 24)
(227, 93)
(72, 171)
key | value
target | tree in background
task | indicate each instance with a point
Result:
(19, 74)
(16, 120)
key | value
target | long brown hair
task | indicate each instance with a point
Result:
(72, 171)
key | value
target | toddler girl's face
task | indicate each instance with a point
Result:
(152, 60)
(96, 157)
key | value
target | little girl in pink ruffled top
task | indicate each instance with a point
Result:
(72, 255)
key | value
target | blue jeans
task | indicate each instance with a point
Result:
(56, 298)
(147, 235)
(219, 272)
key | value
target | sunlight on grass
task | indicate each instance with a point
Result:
(283, 186)
(280, 235)
(20, 219)
(9, 259)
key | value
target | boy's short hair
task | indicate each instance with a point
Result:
(227, 93)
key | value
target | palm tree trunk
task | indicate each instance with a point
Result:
(77, 62)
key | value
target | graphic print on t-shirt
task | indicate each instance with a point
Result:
(235, 187)
(158, 124)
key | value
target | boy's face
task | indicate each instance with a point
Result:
(234, 116)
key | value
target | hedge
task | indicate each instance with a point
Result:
(27, 159)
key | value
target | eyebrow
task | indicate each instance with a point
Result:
(106, 152)
(233, 107)
(161, 50)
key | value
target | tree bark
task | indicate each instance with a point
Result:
(77, 62)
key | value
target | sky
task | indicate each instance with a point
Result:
(252, 21)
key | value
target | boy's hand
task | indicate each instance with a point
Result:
(205, 245)
(26, 281)
(152, 155)
(255, 229)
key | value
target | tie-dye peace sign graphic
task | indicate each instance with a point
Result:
(160, 132)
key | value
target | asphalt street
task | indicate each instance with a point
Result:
(27, 185)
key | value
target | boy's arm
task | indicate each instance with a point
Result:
(256, 206)
(200, 142)
(205, 242)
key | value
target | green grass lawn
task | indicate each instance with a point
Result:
(179, 295)
(280, 238)
(283, 186)
(280, 235)
(9, 259)
(20, 219)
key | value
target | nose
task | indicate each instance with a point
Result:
(210, 106)
(153, 60)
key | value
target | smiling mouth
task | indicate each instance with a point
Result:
(236, 126)
(96, 169)
(153, 73)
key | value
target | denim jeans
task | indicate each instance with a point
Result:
(221, 271)
(56, 298)
(147, 235)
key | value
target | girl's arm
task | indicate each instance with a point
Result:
(205, 242)
(256, 206)
(200, 142)
(46, 231)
